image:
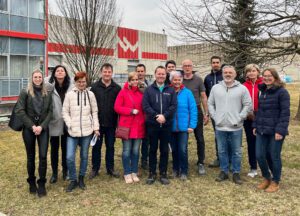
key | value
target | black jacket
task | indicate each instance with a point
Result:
(273, 113)
(211, 80)
(156, 102)
(106, 97)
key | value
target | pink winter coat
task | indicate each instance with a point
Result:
(124, 105)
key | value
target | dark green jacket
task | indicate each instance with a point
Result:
(24, 110)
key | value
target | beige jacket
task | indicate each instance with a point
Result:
(80, 112)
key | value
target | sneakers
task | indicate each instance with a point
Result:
(113, 173)
(214, 164)
(252, 173)
(222, 177)
(128, 179)
(201, 169)
(73, 184)
(135, 178)
(273, 187)
(151, 179)
(164, 179)
(93, 174)
(236, 178)
(264, 184)
(183, 177)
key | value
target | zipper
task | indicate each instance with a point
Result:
(253, 98)
(161, 105)
(81, 113)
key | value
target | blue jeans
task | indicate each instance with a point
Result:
(229, 143)
(268, 155)
(179, 143)
(84, 143)
(108, 133)
(130, 155)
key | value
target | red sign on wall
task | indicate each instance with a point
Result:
(128, 43)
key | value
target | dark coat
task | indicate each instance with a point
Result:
(156, 102)
(273, 113)
(211, 80)
(25, 111)
(106, 97)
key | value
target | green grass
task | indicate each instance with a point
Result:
(198, 196)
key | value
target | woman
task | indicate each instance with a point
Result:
(34, 107)
(184, 122)
(60, 83)
(80, 113)
(129, 107)
(252, 80)
(271, 127)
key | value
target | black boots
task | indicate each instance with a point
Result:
(73, 184)
(41, 191)
(32, 185)
(81, 182)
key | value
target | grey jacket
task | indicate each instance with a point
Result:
(56, 125)
(229, 106)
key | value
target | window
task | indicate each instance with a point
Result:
(18, 66)
(4, 21)
(3, 66)
(36, 47)
(36, 62)
(19, 7)
(36, 9)
(18, 23)
(3, 45)
(18, 46)
(3, 5)
(36, 26)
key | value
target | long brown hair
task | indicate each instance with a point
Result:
(278, 82)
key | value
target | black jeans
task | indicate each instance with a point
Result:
(29, 139)
(54, 141)
(108, 133)
(251, 140)
(216, 144)
(198, 131)
(161, 136)
(145, 149)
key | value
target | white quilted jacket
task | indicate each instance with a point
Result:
(80, 112)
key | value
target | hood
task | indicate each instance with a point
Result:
(181, 86)
(126, 86)
(258, 81)
(235, 83)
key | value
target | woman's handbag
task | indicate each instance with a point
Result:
(122, 132)
(14, 122)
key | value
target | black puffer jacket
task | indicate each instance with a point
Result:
(106, 97)
(273, 113)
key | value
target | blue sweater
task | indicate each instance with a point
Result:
(186, 114)
(273, 113)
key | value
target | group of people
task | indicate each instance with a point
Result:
(160, 116)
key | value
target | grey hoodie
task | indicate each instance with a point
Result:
(229, 106)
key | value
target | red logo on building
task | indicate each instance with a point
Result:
(128, 43)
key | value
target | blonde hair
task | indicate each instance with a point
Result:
(131, 75)
(30, 84)
(249, 67)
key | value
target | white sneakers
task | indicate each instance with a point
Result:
(130, 178)
(252, 173)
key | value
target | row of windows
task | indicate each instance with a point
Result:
(21, 46)
(30, 8)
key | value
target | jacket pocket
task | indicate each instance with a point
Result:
(235, 119)
(220, 119)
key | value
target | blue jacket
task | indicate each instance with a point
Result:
(211, 80)
(156, 102)
(273, 113)
(186, 113)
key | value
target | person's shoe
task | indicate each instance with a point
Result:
(72, 185)
(32, 186)
(41, 190)
(93, 174)
(53, 178)
(175, 174)
(128, 179)
(252, 173)
(65, 174)
(214, 164)
(151, 179)
(81, 183)
(201, 169)
(183, 177)
(113, 173)
(135, 178)
(222, 176)
(164, 179)
(144, 165)
(236, 178)
(263, 185)
(273, 187)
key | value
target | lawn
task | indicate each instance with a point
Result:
(200, 195)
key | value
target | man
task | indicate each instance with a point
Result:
(229, 104)
(196, 85)
(213, 78)
(159, 104)
(140, 69)
(170, 66)
(106, 91)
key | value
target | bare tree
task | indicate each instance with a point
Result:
(85, 32)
